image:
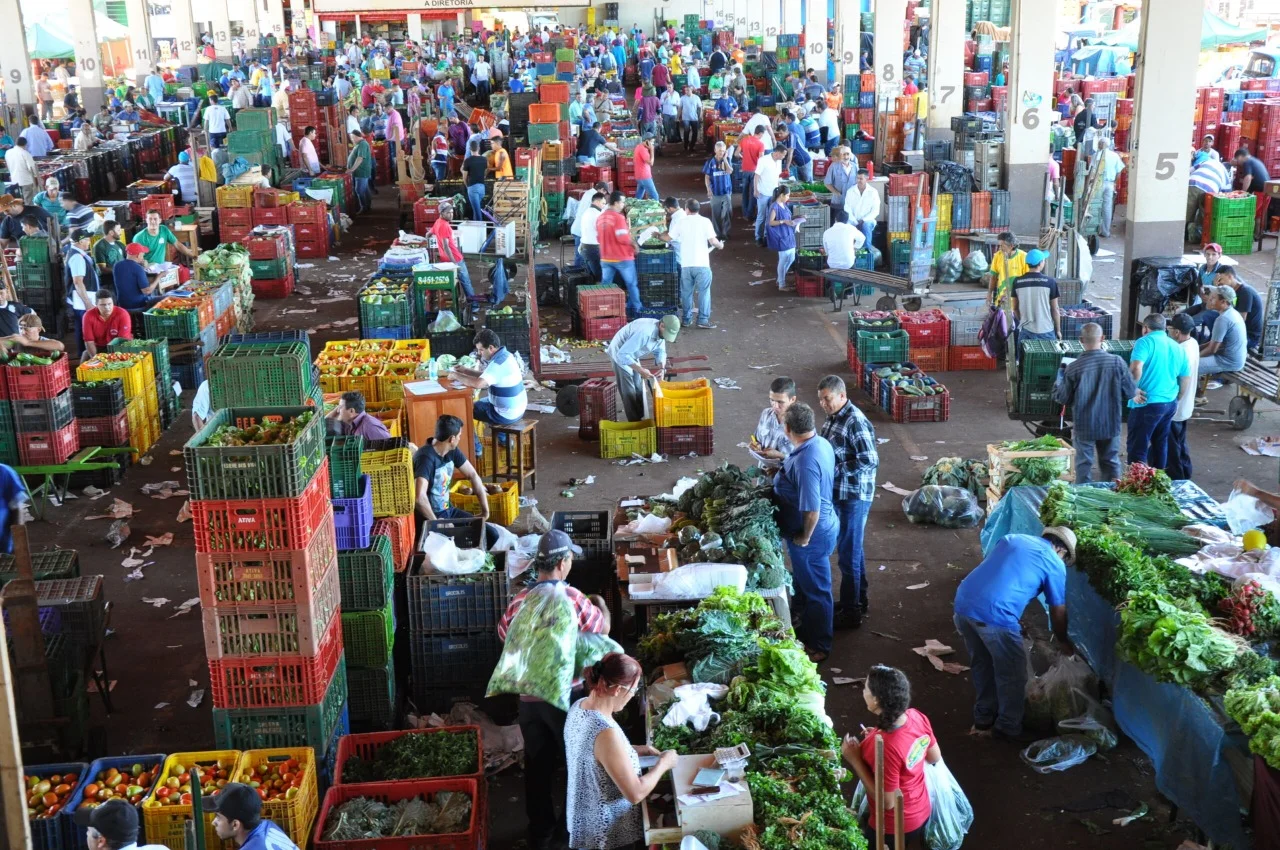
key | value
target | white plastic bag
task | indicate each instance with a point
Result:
(698, 581)
(1053, 697)
(952, 816)
(1245, 512)
(692, 706)
(1096, 722)
(445, 322)
(1061, 753)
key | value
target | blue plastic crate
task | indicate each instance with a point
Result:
(650, 261)
(301, 184)
(983, 63)
(120, 763)
(329, 759)
(57, 832)
(546, 69)
(565, 76)
(189, 375)
(862, 146)
(401, 332)
(866, 100)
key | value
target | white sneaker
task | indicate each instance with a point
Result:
(1213, 385)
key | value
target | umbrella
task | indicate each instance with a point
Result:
(1214, 32)
(46, 43)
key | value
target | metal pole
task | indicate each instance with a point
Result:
(879, 792)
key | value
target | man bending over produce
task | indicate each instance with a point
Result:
(988, 609)
(542, 724)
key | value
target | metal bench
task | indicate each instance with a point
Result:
(1256, 381)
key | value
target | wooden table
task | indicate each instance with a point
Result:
(423, 408)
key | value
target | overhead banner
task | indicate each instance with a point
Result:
(322, 7)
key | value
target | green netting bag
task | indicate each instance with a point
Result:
(540, 652)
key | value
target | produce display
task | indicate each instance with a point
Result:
(910, 381)
(384, 290)
(969, 475)
(1035, 471)
(176, 788)
(866, 319)
(46, 795)
(1257, 709)
(1174, 640)
(362, 818)
(736, 505)
(279, 433)
(131, 785)
(1082, 313)
(26, 358)
(275, 780)
(113, 361)
(417, 756)
(172, 307)
(1150, 520)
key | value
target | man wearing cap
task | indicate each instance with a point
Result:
(11, 225)
(134, 290)
(1178, 456)
(988, 610)
(542, 724)
(1248, 304)
(184, 174)
(1095, 385)
(1227, 346)
(447, 249)
(112, 826)
(1035, 301)
(237, 816)
(1159, 368)
(629, 346)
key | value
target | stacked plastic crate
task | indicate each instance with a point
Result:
(310, 220)
(384, 307)
(101, 420)
(658, 279)
(136, 370)
(235, 213)
(42, 422)
(684, 414)
(267, 560)
(254, 139)
(875, 321)
(166, 398)
(1265, 128)
(271, 261)
(1230, 222)
(212, 269)
(809, 257)
(966, 352)
(602, 311)
(37, 280)
(512, 327)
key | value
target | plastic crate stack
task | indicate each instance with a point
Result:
(254, 139)
(966, 352)
(1270, 328)
(1230, 221)
(684, 414)
(376, 368)
(384, 307)
(213, 268)
(1208, 113)
(310, 222)
(266, 554)
(235, 213)
(166, 398)
(101, 420)
(272, 260)
(547, 121)
(512, 327)
(35, 405)
(38, 280)
(137, 372)
(1036, 371)
(594, 571)
(601, 311)
(658, 280)
(875, 321)
(930, 334)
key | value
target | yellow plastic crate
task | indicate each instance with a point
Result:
(391, 381)
(165, 824)
(340, 348)
(375, 345)
(366, 384)
(286, 198)
(235, 197)
(150, 401)
(135, 377)
(296, 816)
(390, 413)
(697, 384)
(421, 347)
(503, 509)
(623, 439)
(899, 237)
(392, 476)
(678, 407)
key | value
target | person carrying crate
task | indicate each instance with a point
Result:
(629, 346)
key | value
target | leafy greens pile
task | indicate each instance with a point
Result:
(1146, 520)
(737, 504)
(362, 818)
(1174, 641)
(1116, 567)
(1036, 471)
(1257, 710)
(417, 755)
(970, 475)
(798, 805)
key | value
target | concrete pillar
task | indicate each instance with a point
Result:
(144, 55)
(1164, 107)
(946, 65)
(770, 23)
(358, 24)
(413, 24)
(84, 34)
(220, 28)
(742, 18)
(15, 62)
(272, 20)
(815, 37)
(184, 32)
(890, 17)
(849, 35)
(1030, 112)
(791, 23)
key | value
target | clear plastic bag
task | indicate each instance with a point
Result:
(949, 507)
(1061, 693)
(1060, 753)
(952, 816)
(950, 266)
(975, 265)
(592, 647)
(1095, 722)
(540, 651)
(1245, 513)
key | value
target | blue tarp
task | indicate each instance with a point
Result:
(1185, 737)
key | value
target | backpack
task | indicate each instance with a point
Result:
(994, 334)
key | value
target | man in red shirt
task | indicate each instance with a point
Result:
(447, 250)
(618, 250)
(752, 148)
(645, 187)
(106, 323)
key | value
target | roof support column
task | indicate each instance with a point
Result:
(220, 29)
(144, 52)
(1030, 113)
(14, 59)
(849, 40)
(1160, 163)
(84, 32)
(184, 32)
(413, 26)
(815, 37)
(946, 65)
(891, 17)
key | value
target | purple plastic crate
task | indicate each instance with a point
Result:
(353, 518)
(50, 620)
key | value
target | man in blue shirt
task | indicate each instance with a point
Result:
(1159, 368)
(133, 288)
(801, 159)
(12, 494)
(154, 84)
(803, 488)
(726, 106)
(988, 610)
(238, 817)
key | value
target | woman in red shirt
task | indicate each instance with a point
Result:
(908, 743)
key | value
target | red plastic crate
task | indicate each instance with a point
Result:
(930, 360)
(162, 203)
(855, 365)
(907, 184)
(979, 212)
(602, 329)
(926, 328)
(235, 217)
(277, 681)
(42, 448)
(554, 185)
(692, 439)
(233, 233)
(597, 400)
(266, 247)
(270, 577)
(367, 745)
(108, 431)
(392, 792)
(254, 526)
(311, 233)
(277, 287)
(29, 383)
(969, 358)
(808, 284)
(400, 531)
(250, 630)
(270, 215)
(313, 249)
(308, 212)
(913, 408)
(602, 303)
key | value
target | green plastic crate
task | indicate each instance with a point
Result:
(337, 187)
(34, 276)
(539, 133)
(8, 435)
(1037, 370)
(45, 566)
(249, 141)
(387, 314)
(1119, 347)
(366, 576)
(35, 250)
(256, 119)
(272, 269)
(269, 728)
(344, 465)
(877, 347)
(251, 375)
(368, 636)
(371, 697)
(1229, 207)
(255, 472)
(182, 324)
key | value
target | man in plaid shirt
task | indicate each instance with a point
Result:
(854, 440)
(541, 723)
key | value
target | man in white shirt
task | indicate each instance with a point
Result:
(353, 54)
(353, 119)
(862, 203)
(691, 72)
(22, 169)
(829, 127)
(284, 140)
(1112, 165)
(768, 173)
(696, 235)
(1180, 330)
(240, 96)
(690, 117)
(841, 241)
(575, 228)
(185, 175)
(759, 120)
(670, 102)
(307, 151)
(590, 245)
(484, 73)
(216, 121)
(502, 376)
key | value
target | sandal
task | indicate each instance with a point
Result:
(817, 656)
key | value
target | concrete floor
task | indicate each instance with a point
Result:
(762, 334)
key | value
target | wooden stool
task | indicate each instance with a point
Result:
(515, 468)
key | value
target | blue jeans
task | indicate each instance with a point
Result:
(1023, 336)
(440, 168)
(484, 411)
(577, 252)
(475, 198)
(626, 269)
(805, 172)
(868, 229)
(1108, 452)
(811, 574)
(695, 281)
(785, 259)
(998, 664)
(1148, 438)
(591, 260)
(762, 214)
(748, 195)
(1179, 458)
(464, 277)
(852, 514)
(362, 192)
(646, 189)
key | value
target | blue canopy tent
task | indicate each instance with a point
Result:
(44, 42)
(1098, 60)
(1214, 32)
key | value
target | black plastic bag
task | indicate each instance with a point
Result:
(949, 507)
(954, 178)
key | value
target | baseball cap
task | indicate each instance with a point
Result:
(669, 327)
(236, 801)
(1182, 322)
(80, 233)
(555, 544)
(115, 820)
(1213, 246)
(184, 157)
(1067, 538)
(135, 250)
(1035, 257)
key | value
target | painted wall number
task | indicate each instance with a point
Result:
(1031, 118)
(817, 47)
(947, 91)
(888, 73)
(771, 31)
(1165, 164)
(849, 57)
(15, 75)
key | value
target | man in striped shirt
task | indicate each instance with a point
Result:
(1207, 178)
(542, 724)
(502, 376)
(1096, 386)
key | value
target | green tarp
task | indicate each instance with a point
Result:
(1214, 32)
(46, 43)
